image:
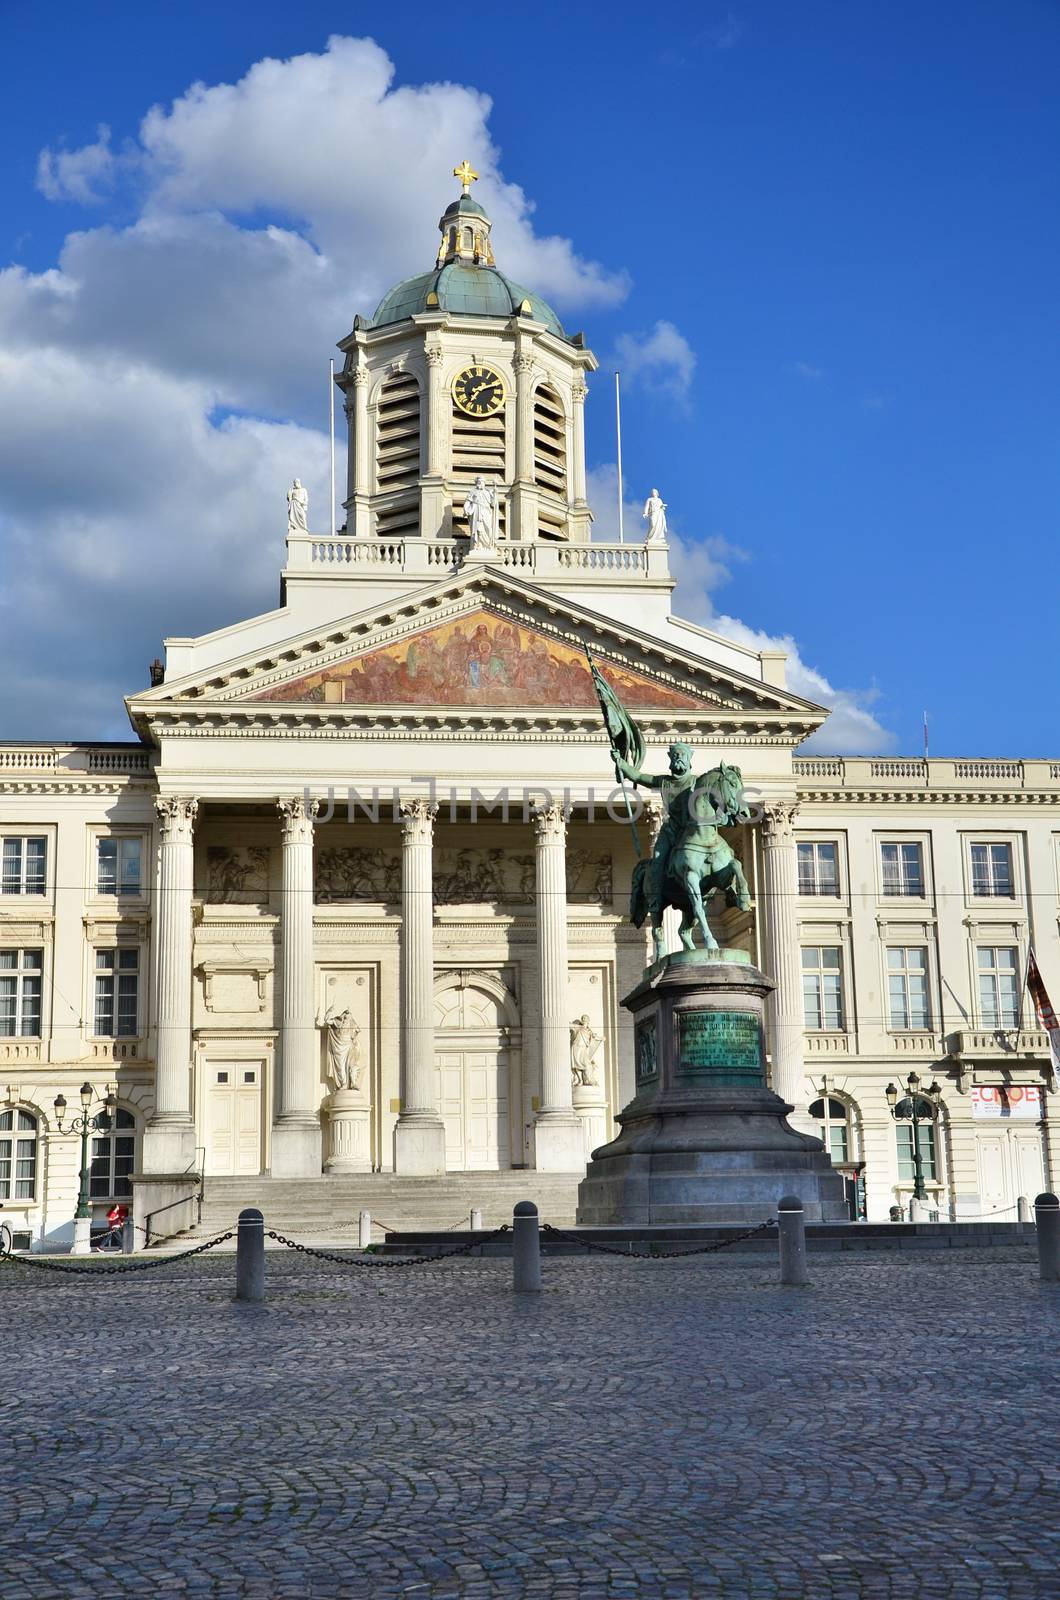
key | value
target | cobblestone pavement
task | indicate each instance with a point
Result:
(666, 1428)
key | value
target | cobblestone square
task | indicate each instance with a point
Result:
(667, 1428)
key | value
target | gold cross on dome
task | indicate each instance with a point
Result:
(467, 175)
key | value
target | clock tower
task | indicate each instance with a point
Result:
(462, 374)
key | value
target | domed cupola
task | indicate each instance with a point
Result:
(466, 281)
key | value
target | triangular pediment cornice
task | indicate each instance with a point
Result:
(262, 685)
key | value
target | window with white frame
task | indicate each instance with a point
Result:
(21, 975)
(999, 986)
(118, 866)
(902, 864)
(928, 1146)
(818, 867)
(992, 871)
(18, 1155)
(113, 1159)
(822, 987)
(833, 1119)
(117, 993)
(24, 865)
(908, 999)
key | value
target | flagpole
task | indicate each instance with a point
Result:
(618, 436)
(331, 422)
(925, 735)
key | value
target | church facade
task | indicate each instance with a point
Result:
(354, 899)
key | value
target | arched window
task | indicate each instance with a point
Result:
(928, 1147)
(469, 239)
(18, 1155)
(833, 1118)
(550, 461)
(113, 1159)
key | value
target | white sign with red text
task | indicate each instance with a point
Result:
(1007, 1100)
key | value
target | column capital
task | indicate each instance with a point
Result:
(176, 817)
(417, 819)
(360, 377)
(524, 365)
(296, 818)
(578, 393)
(550, 823)
(434, 354)
(654, 814)
(778, 821)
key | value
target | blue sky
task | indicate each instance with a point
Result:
(821, 239)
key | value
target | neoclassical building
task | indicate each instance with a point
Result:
(353, 900)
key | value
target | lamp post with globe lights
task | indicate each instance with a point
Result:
(916, 1107)
(101, 1122)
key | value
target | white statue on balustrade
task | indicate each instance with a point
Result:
(297, 508)
(655, 516)
(345, 1068)
(584, 1043)
(483, 517)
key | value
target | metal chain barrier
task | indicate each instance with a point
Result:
(654, 1255)
(373, 1262)
(125, 1265)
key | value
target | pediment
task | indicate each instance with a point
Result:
(481, 644)
(479, 659)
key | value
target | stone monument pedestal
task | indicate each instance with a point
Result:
(349, 1146)
(704, 1140)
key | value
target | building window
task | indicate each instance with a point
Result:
(822, 988)
(818, 869)
(118, 867)
(117, 985)
(113, 1159)
(20, 993)
(999, 990)
(992, 871)
(903, 869)
(834, 1130)
(24, 864)
(907, 987)
(18, 1155)
(925, 1137)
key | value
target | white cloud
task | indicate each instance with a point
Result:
(148, 379)
(662, 361)
(700, 567)
(806, 369)
(85, 175)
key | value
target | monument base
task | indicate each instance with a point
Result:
(704, 1140)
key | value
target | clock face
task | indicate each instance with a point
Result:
(478, 391)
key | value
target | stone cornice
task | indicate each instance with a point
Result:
(927, 797)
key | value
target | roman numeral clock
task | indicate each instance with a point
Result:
(478, 391)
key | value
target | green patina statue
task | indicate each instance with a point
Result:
(691, 861)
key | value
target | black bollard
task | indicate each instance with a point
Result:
(128, 1237)
(526, 1249)
(250, 1255)
(792, 1230)
(1047, 1219)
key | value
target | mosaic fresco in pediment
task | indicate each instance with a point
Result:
(481, 660)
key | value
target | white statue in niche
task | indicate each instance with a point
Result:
(584, 1043)
(297, 508)
(483, 523)
(345, 1068)
(655, 516)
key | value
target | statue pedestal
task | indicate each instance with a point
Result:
(703, 1140)
(349, 1144)
(590, 1108)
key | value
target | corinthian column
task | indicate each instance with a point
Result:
(169, 1139)
(296, 1141)
(580, 517)
(522, 502)
(358, 471)
(419, 1134)
(780, 886)
(558, 1142)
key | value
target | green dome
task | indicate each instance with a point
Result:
(464, 204)
(464, 291)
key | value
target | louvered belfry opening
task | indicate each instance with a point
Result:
(398, 456)
(550, 463)
(478, 451)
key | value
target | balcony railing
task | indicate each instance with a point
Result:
(537, 558)
(915, 773)
(33, 759)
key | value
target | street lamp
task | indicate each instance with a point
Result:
(102, 1122)
(916, 1107)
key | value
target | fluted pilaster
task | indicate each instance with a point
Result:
(557, 1132)
(296, 1138)
(780, 886)
(419, 1135)
(169, 1143)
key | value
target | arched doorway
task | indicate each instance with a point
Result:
(479, 1078)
